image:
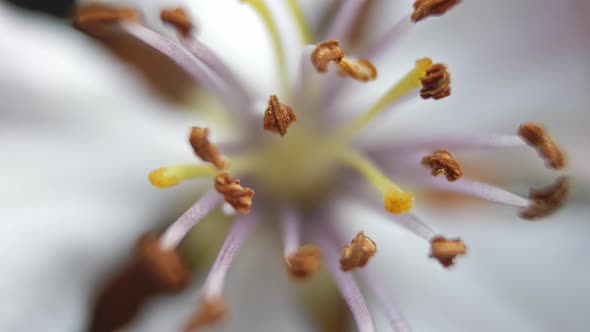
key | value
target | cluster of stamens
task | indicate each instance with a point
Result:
(158, 254)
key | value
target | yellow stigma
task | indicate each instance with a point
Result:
(409, 82)
(395, 199)
(170, 176)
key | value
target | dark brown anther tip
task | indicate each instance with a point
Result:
(537, 137)
(204, 149)
(437, 82)
(547, 200)
(305, 262)
(177, 18)
(278, 117)
(446, 250)
(358, 253)
(240, 198)
(93, 15)
(426, 8)
(443, 162)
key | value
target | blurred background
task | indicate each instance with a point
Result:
(84, 120)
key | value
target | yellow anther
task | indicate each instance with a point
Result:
(170, 176)
(409, 82)
(395, 199)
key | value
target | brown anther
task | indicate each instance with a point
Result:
(164, 268)
(536, 136)
(425, 8)
(88, 16)
(209, 312)
(358, 253)
(178, 18)
(277, 116)
(546, 200)
(443, 162)
(361, 70)
(305, 262)
(445, 250)
(240, 198)
(437, 82)
(324, 53)
(204, 149)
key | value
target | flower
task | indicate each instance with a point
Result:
(363, 166)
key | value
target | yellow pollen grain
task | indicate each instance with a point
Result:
(409, 82)
(395, 199)
(170, 176)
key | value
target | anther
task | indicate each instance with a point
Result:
(324, 53)
(209, 312)
(436, 84)
(546, 200)
(445, 250)
(277, 116)
(358, 253)
(95, 14)
(536, 136)
(204, 149)
(361, 70)
(425, 8)
(240, 198)
(177, 18)
(164, 268)
(305, 262)
(443, 162)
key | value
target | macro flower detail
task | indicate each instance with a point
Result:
(299, 176)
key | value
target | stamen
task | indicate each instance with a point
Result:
(443, 162)
(302, 26)
(180, 228)
(212, 308)
(277, 116)
(239, 232)
(396, 200)
(392, 311)
(361, 70)
(210, 311)
(358, 253)
(164, 267)
(170, 176)
(536, 136)
(260, 7)
(178, 18)
(347, 286)
(304, 262)
(240, 198)
(204, 149)
(93, 15)
(546, 200)
(436, 84)
(344, 19)
(409, 82)
(445, 250)
(324, 53)
(426, 8)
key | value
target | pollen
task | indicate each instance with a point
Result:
(436, 83)
(446, 250)
(240, 198)
(426, 8)
(177, 18)
(210, 311)
(536, 136)
(305, 262)
(324, 53)
(165, 268)
(396, 201)
(358, 253)
(278, 116)
(546, 200)
(95, 14)
(443, 162)
(204, 149)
